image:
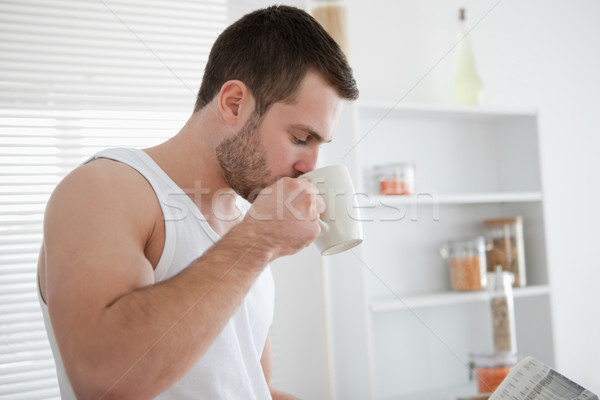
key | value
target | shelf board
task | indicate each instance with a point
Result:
(448, 298)
(448, 111)
(466, 198)
(449, 393)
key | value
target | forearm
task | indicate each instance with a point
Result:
(147, 339)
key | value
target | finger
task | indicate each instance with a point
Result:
(321, 206)
(308, 186)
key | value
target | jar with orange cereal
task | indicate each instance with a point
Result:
(467, 262)
(491, 369)
(396, 178)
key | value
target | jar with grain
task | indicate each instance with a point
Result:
(506, 246)
(499, 287)
(466, 259)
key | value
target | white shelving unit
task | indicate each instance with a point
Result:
(466, 198)
(447, 299)
(396, 330)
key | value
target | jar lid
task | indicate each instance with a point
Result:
(395, 171)
(449, 249)
(502, 221)
(395, 165)
(500, 279)
(494, 360)
(478, 242)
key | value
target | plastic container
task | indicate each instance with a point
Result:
(396, 178)
(466, 259)
(506, 247)
(490, 370)
(499, 287)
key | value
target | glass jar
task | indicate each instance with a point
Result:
(396, 178)
(499, 287)
(467, 263)
(490, 370)
(506, 247)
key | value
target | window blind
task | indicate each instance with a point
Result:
(78, 76)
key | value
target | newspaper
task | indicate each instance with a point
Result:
(531, 379)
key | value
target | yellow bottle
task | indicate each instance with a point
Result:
(468, 88)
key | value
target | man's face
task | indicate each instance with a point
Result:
(284, 142)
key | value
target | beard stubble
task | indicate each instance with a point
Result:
(243, 160)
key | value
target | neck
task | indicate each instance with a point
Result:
(190, 160)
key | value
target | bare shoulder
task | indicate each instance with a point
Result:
(96, 225)
(104, 183)
(107, 193)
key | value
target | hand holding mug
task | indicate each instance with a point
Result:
(284, 216)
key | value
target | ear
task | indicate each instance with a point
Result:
(235, 102)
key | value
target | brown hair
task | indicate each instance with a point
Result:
(271, 50)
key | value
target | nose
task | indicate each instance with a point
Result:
(307, 162)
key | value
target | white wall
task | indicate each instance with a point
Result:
(533, 53)
(298, 330)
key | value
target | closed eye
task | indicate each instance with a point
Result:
(304, 134)
(300, 141)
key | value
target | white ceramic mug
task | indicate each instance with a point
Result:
(341, 228)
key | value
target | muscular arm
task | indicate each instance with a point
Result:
(120, 335)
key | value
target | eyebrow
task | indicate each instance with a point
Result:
(311, 132)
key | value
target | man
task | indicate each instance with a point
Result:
(154, 291)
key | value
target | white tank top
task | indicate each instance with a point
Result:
(230, 369)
